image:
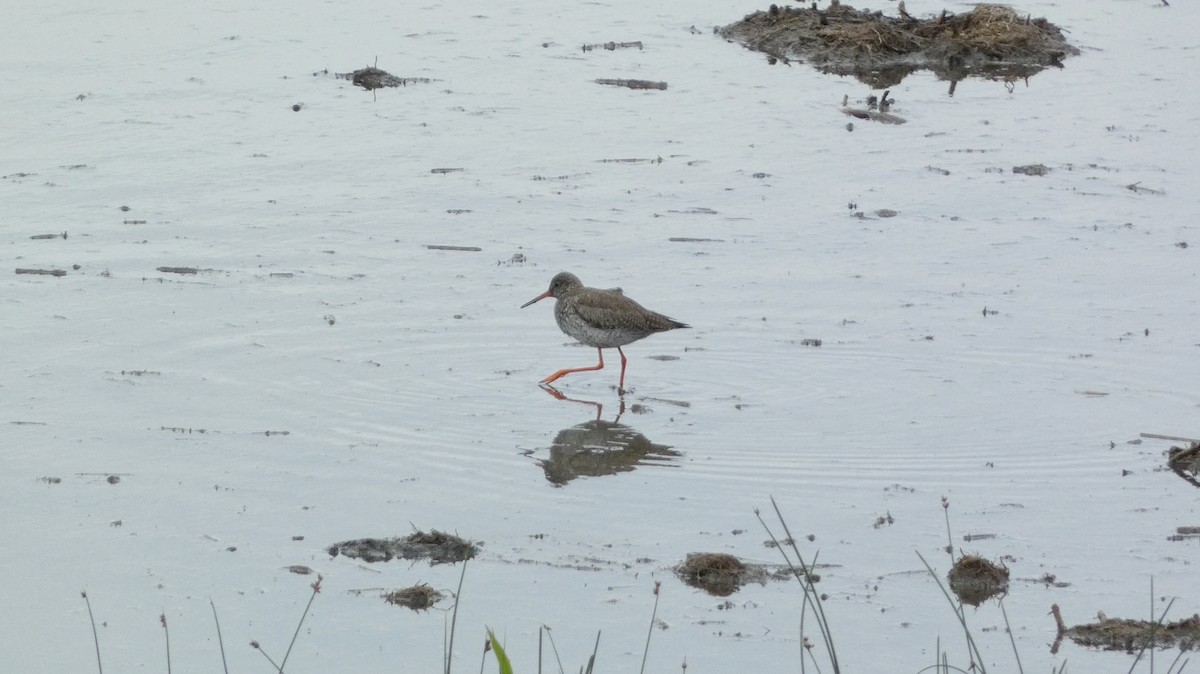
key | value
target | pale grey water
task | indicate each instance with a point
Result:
(419, 405)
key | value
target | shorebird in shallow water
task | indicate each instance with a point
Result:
(604, 319)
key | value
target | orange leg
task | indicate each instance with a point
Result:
(621, 386)
(561, 373)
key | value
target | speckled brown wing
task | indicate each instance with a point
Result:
(613, 311)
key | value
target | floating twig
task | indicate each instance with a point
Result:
(464, 249)
(634, 84)
(1175, 438)
(1138, 189)
(612, 46)
(42, 272)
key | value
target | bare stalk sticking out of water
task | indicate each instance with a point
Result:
(972, 649)
(162, 618)
(592, 660)
(804, 575)
(95, 637)
(546, 630)
(220, 641)
(316, 587)
(454, 617)
(653, 615)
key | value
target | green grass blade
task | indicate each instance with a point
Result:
(501, 656)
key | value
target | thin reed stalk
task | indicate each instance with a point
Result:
(454, 617)
(95, 636)
(649, 632)
(162, 618)
(949, 537)
(804, 576)
(1150, 640)
(554, 647)
(258, 647)
(592, 660)
(972, 650)
(1011, 638)
(220, 641)
(316, 588)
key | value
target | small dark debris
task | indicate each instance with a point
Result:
(1032, 169)
(443, 171)
(886, 213)
(883, 521)
(419, 597)
(300, 569)
(113, 479)
(62, 235)
(808, 341)
(178, 270)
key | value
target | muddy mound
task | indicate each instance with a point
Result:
(1124, 634)
(719, 574)
(974, 579)
(990, 41)
(436, 546)
(419, 597)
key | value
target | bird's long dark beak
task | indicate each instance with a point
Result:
(539, 297)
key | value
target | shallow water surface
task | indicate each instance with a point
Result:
(1003, 340)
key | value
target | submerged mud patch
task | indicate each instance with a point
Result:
(436, 546)
(989, 41)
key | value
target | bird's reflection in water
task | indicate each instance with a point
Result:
(599, 447)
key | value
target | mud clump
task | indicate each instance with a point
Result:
(372, 78)
(974, 579)
(1123, 634)
(436, 546)
(1185, 462)
(419, 597)
(990, 40)
(718, 574)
